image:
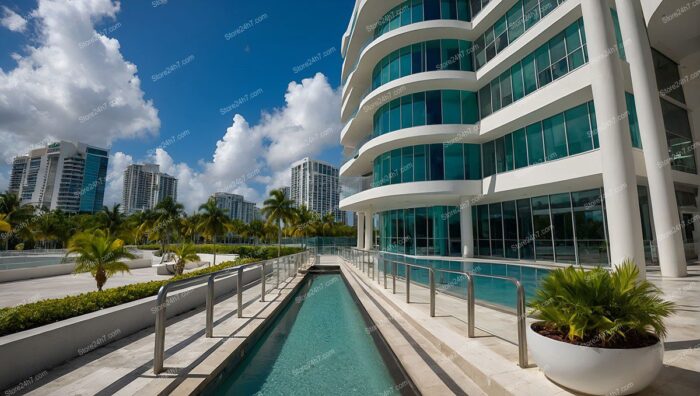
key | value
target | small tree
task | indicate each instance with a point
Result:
(185, 254)
(213, 222)
(98, 254)
(278, 209)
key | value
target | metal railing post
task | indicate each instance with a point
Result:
(239, 292)
(263, 277)
(431, 281)
(159, 353)
(384, 264)
(522, 323)
(394, 268)
(408, 283)
(470, 306)
(210, 308)
(278, 273)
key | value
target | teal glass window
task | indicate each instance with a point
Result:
(535, 145)
(529, 74)
(516, 73)
(419, 109)
(395, 172)
(485, 101)
(594, 126)
(419, 164)
(618, 35)
(395, 115)
(470, 108)
(489, 156)
(436, 161)
(508, 147)
(578, 129)
(451, 107)
(405, 61)
(633, 121)
(454, 161)
(472, 161)
(433, 107)
(520, 148)
(554, 131)
(407, 164)
(500, 156)
(406, 111)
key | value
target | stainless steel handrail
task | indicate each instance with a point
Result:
(161, 304)
(520, 305)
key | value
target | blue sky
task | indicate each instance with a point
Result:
(199, 64)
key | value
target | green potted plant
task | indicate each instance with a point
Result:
(599, 331)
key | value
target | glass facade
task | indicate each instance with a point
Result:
(428, 162)
(94, 179)
(423, 57)
(565, 227)
(413, 11)
(562, 54)
(558, 227)
(426, 108)
(519, 18)
(431, 231)
(679, 136)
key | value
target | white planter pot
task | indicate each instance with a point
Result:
(596, 371)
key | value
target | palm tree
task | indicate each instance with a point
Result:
(303, 223)
(328, 224)
(98, 254)
(4, 225)
(185, 254)
(278, 209)
(169, 213)
(111, 219)
(254, 230)
(214, 222)
(16, 214)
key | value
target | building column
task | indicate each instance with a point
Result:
(360, 230)
(466, 228)
(653, 134)
(369, 231)
(619, 180)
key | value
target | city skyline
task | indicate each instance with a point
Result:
(239, 135)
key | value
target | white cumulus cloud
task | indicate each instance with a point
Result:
(250, 155)
(73, 83)
(13, 20)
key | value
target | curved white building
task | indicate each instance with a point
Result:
(533, 130)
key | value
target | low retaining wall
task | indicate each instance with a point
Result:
(26, 355)
(12, 275)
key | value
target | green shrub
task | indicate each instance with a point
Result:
(29, 316)
(612, 309)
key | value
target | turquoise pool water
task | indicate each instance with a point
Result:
(319, 345)
(493, 291)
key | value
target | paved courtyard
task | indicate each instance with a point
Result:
(32, 290)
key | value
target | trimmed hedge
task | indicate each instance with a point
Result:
(245, 251)
(29, 316)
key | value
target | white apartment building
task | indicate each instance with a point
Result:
(236, 207)
(145, 187)
(64, 175)
(527, 130)
(316, 185)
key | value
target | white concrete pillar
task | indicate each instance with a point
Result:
(369, 230)
(619, 181)
(653, 134)
(360, 230)
(466, 228)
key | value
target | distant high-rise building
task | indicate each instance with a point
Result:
(287, 191)
(236, 207)
(64, 175)
(316, 185)
(145, 187)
